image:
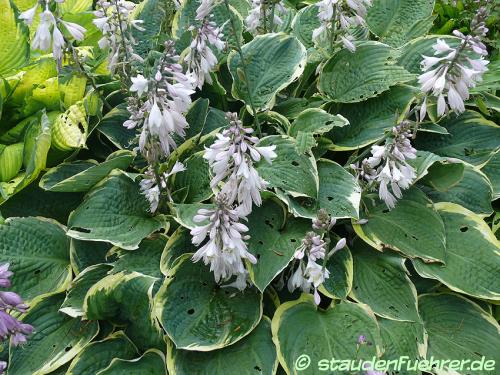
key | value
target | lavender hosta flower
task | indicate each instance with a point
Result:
(160, 115)
(389, 168)
(261, 12)
(48, 33)
(231, 158)
(113, 19)
(226, 248)
(452, 71)
(10, 301)
(340, 16)
(149, 185)
(200, 59)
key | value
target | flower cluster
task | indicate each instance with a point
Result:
(388, 167)
(453, 70)
(10, 301)
(114, 21)
(200, 59)
(264, 11)
(226, 247)
(158, 110)
(231, 158)
(151, 185)
(48, 34)
(340, 16)
(314, 246)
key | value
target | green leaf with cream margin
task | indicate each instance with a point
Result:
(350, 77)
(38, 252)
(273, 241)
(271, 63)
(99, 354)
(340, 266)
(299, 329)
(396, 22)
(81, 175)
(114, 211)
(151, 362)
(255, 353)
(472, 256)
(126, 299)
(56, 339)
(459, 329)
(198, 314)
(381, 281)
(413, 227)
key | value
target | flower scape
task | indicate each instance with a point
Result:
(218, 187)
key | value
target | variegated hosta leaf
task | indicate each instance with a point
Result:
(491, 169)
(70, 128)
(472, 138)
(472, 262)
(14, 46)
(193, 184)
(57, 338)
(198, 314)
(271, 63)
(151, 362)
(254, 353)
(300, 329)
(38, 252)
(413, 227)
(304, 22)
(316, 121)
(381, 281)
(339, 284)
(396, 22)
(354, 77)
(81, 175)
(458, 328)
(272, 241)
(114, 211)
(145, 259)
(98, 355)
(178, 243)
(125, 299)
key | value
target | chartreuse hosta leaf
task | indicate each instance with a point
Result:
(381, 281)
(291, 172)
(472, 262)
(339, 284)
(354, 77)
(472, 179)
(125, 298)
(152, 362)
(339, 194)
(413, 227)
(47, 93)
(145, 259)
(459, 329)
(198, 314)
(14, 46)
(81, 175)
(11, 160)
(273, 241)
(397, 21)
(403, 339)
(57, 338)
(114, 211)
(38, 252)
(254, 354)
(70, 129)
(369, 122)
(472, 138)
(271, 63)
(300, 329)
(98, 355)
(77, 290)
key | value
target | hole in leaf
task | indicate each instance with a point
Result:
(295, 164)
(258, 368)
(464, 229)
(190, 311)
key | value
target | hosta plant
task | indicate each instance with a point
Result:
(249, 187)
